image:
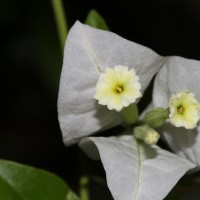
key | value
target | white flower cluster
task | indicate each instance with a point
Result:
(104, 73)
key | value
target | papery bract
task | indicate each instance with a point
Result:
(88, 52)
(136, 171)
(179, 74)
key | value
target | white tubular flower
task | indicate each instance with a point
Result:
(184, 110)
(118, 87)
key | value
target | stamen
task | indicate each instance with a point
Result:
(119, 89)
(180, 109)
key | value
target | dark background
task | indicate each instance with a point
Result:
(31, 61)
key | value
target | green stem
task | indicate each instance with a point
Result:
(60, 21)
(84, 184)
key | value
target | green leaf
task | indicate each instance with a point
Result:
(20, 182)
(95, 20)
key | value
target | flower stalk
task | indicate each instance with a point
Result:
(84, 184)
(61, 21)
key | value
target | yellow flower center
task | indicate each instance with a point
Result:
(180, 109)
(119, 89)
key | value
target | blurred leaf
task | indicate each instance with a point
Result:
(95, 20)
(20, 182)
(72, 196)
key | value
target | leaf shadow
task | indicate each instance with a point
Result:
(106, 118)
(179, 139)
(149, 151)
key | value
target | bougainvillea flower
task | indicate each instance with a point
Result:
(184, 110)
(179, 74)
(134, 170)
(118, 87)
(88, 52)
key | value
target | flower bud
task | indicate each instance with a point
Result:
(147, 134)
(151, 136)
(156, 117)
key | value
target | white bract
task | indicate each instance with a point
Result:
(88, 52)
(179, 74)
(118, 87)
(136, 171)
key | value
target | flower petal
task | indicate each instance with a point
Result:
(87, 52)
(136, 171)
(176, 75)
(118, 87)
